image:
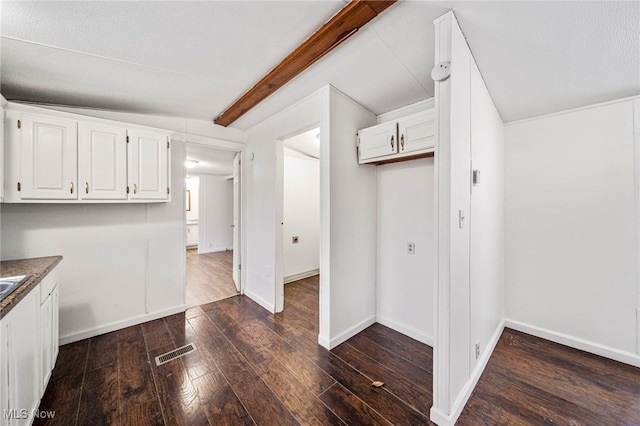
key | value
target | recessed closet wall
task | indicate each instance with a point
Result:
(404, 281)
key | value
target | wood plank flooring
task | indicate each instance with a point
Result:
(252, 367)
(209, 277)
(534, 381)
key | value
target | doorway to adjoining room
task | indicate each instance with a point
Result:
(301, 225)
(212, 224)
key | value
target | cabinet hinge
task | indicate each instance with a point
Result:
(168, 145)
(19, 124)
(19, 187)
(127, 138)
(239, 265)
(167, 190)
(127, 189)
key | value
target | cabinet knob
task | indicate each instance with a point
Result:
(392, 142)
(86, 187)
(402, 142)
(71, 187)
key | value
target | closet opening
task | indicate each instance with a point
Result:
(301, 226)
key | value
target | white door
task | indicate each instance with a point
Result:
(102, 162)
(417, 132)
(49, 158)
(148, 165)
(378, 141)
(236, 221)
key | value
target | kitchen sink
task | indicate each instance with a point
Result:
(9, 284)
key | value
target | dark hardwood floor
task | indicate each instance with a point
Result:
(252, 367)
(532, 381)
(209, 277)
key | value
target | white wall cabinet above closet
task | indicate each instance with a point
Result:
(52, 156)
(407, 138)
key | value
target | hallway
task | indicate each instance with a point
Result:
(209, 277)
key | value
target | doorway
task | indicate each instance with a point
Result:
(301, 220)
(212, 224)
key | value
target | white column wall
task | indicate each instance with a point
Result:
(470, 235)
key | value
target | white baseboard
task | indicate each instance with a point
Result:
(407, 330)
(301, 275)
(259, 300)
(323, 341)
(211, 250)
(118, 325)
(438, 416)
(576, 343)
(348, 333)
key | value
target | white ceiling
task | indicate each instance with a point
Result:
(305, 144)
(193, 59)
(211, 161)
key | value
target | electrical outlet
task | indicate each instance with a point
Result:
(294, 240)
(411, 248)
(477, 349)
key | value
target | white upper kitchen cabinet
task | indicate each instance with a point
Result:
(417, 132)
(60, 157)
(378, 141)
(48, 160)
(148, 165)
(102, 161)
(403, 139)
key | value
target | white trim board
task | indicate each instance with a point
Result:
(301, 276)
(636, 178)
(118, 325)
(407, 330)
(347, 334)
(575, 342)
(211, 250)
(572, 110)
(259, 300)
(442, 419)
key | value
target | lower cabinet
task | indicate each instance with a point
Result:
(19, 362)
(192, 234)
(48, 336)
(28, 352)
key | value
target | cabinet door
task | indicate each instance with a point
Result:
(192, 235)
(417, 132)
(378, 141)
(55, 325)
(19, 372)
(148, 165)
(102, 162)
(49, 158)
(46, 341)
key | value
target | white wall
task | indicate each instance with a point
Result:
(570, 226)
(469, 287)
(301, 215)
(405, 209)
(123, 264)
(215, 213)
(193, 186)
(263, 192)
(348, 203)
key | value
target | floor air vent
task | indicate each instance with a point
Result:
(176, 353)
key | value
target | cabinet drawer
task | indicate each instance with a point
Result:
(47, 284)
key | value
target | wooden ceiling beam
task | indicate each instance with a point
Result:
(343, 25)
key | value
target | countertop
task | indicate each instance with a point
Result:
(37, 267)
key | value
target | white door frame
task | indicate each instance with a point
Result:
(227, 146)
